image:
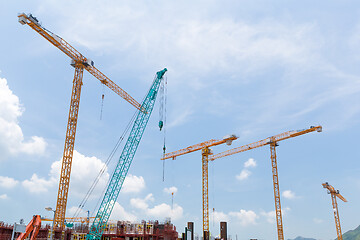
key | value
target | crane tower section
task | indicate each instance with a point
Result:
(79, 62)
(123, 165)
(335, 193)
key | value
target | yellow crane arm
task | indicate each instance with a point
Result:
(199, 146)
(266, 141)
(272, 141)
(79, 62)
(113, 86)
(341, 197)
(332, 190)
(51, 37)
(76, 56)
(206, 151)
(335, 193)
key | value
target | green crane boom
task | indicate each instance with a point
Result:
(127, 155)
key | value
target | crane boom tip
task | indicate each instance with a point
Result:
(22, 18)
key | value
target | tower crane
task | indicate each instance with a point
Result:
(273, 142)
(335, 193)
(205, 152)
(79, 62)
(125, 160)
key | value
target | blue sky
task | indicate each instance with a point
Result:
(253, 68)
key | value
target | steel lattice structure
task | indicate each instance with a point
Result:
(206, 152)
(123, 165)
(272, 141)
(79, 62)
(335, 193)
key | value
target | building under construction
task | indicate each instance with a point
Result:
(121, 230)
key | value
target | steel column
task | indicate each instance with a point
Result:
(69, 147)
(273, 145)
(336, 216)
(205, 155)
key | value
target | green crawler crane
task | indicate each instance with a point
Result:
(123, 165)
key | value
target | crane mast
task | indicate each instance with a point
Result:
(79, 62)
(205, 190)
(205, 153)
(208, 156)
(64, 182)
(123, 165)
(278, 214)
(273, 142)
(335, 193)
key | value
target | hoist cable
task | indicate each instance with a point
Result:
(164, 118)
(102, 171)
(102, 101)
(113, 153)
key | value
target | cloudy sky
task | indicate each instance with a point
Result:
(252, 68)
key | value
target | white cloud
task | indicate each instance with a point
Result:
(133, 184)
(7, 182)
(244, 174)
(149, 197)
(245, 217)
(38, 185)
(219, 217)
(234, 47)
(159, 211)
(10, 107)
(139, 203)
(76, 210)
(288, 194)
(120, 213)
(271, 216)
(179, 118)
(83, 172)
(171, 190)
(142, 203)
(12, 141)
(36, 145)
(318, 221)
(164, 210)
(250, 163)
(202, 45)
(3, 196)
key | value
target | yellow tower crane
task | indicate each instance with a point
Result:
(79, 62)
(335, 193)
(273, 142)
(206, 151)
